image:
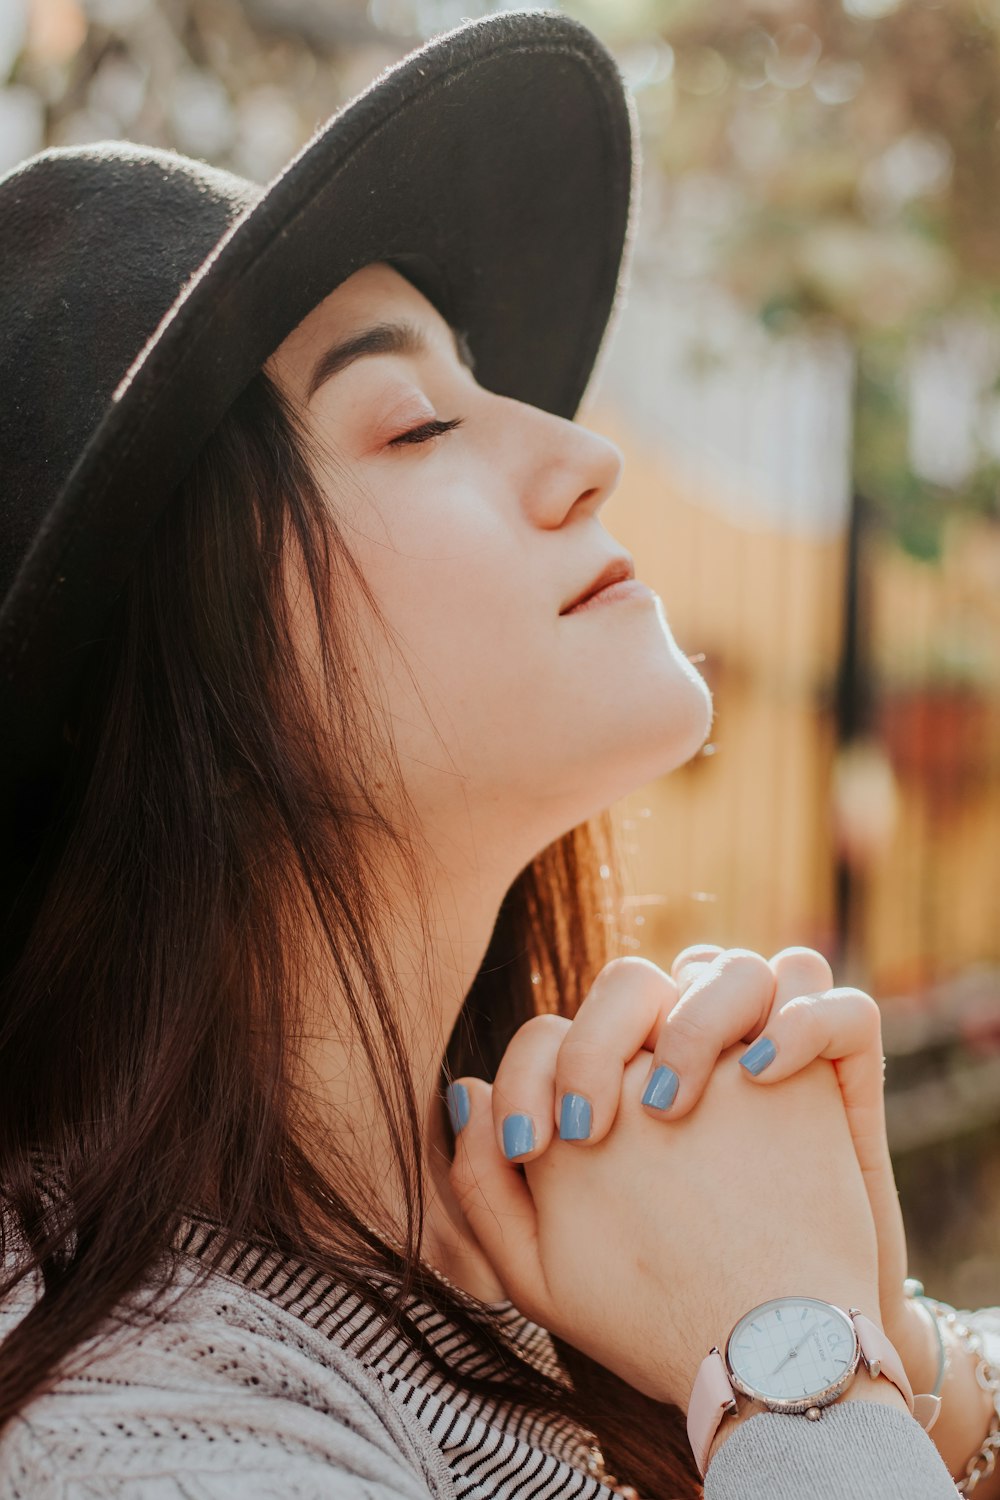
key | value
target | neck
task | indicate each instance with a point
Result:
(435, 963)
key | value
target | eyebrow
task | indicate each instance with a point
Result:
(382, 338)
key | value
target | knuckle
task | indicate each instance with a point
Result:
(804, 1014)
(698, 953)
(868, 1011)
(809, 962)
(538, 1036)
(629, 969)
(746, 964)
(695, 957)
(800, 951)
(542, 1026)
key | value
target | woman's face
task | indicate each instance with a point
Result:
(512, 719)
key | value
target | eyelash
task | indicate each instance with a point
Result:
(425, 431)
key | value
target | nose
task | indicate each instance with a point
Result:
(569, 467)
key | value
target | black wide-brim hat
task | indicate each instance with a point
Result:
(142, 290)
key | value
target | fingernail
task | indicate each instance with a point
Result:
(760, 1056)
(661, 1090)
(518, 1135)
(574, 1118)
(458, 1106)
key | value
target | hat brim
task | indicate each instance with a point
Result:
(498, 159)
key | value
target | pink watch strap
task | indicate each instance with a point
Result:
(713, 1397)
(878, 1351)
(875, 1346)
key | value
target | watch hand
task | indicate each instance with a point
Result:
(793, 1352)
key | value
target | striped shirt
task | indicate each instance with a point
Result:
(494, 1451)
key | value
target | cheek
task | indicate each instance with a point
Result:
(466, 639)
(443, 580)
(455, 671)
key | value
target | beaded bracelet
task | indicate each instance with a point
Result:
(983, 1462)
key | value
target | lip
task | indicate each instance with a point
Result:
(625, 588)
(617, 570)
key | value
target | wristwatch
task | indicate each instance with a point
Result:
(794, 1355)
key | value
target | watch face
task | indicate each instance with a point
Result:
(795, 1350)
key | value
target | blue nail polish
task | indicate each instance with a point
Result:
(518, 1135)
(574, 1118)
(760, 1056)
(661, 1090)
(458, 1106)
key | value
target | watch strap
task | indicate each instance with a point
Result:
(712, 1398)
(880, 1355)
(878, 1350)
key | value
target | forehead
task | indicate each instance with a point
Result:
(375, 294)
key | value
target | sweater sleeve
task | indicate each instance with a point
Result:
(856, 1451)
(143, 1444)
(221, 1397)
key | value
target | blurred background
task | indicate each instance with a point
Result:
(805, 380)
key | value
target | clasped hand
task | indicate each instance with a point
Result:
(642, 1241)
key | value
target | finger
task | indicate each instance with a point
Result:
(621, 1014)
(693, 958)
(800, 971)
(727, 1001)
(492, 1194)
(844, 1026)
(523, 1088)
(841, 1025)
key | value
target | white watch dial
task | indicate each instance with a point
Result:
(792, 1348)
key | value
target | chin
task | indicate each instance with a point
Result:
(659, 726)
(684, 719)
(687, 700)
(654, 729)
(700, 720)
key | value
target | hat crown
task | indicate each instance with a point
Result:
(96, 242)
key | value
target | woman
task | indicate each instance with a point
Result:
(303, 774)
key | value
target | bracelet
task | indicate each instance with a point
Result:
(915, 1290)
(984, 1460)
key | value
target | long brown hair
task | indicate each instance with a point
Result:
(149, 1021)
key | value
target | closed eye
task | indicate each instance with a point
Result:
(425, 431)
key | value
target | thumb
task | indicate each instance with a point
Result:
(494, 1196)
